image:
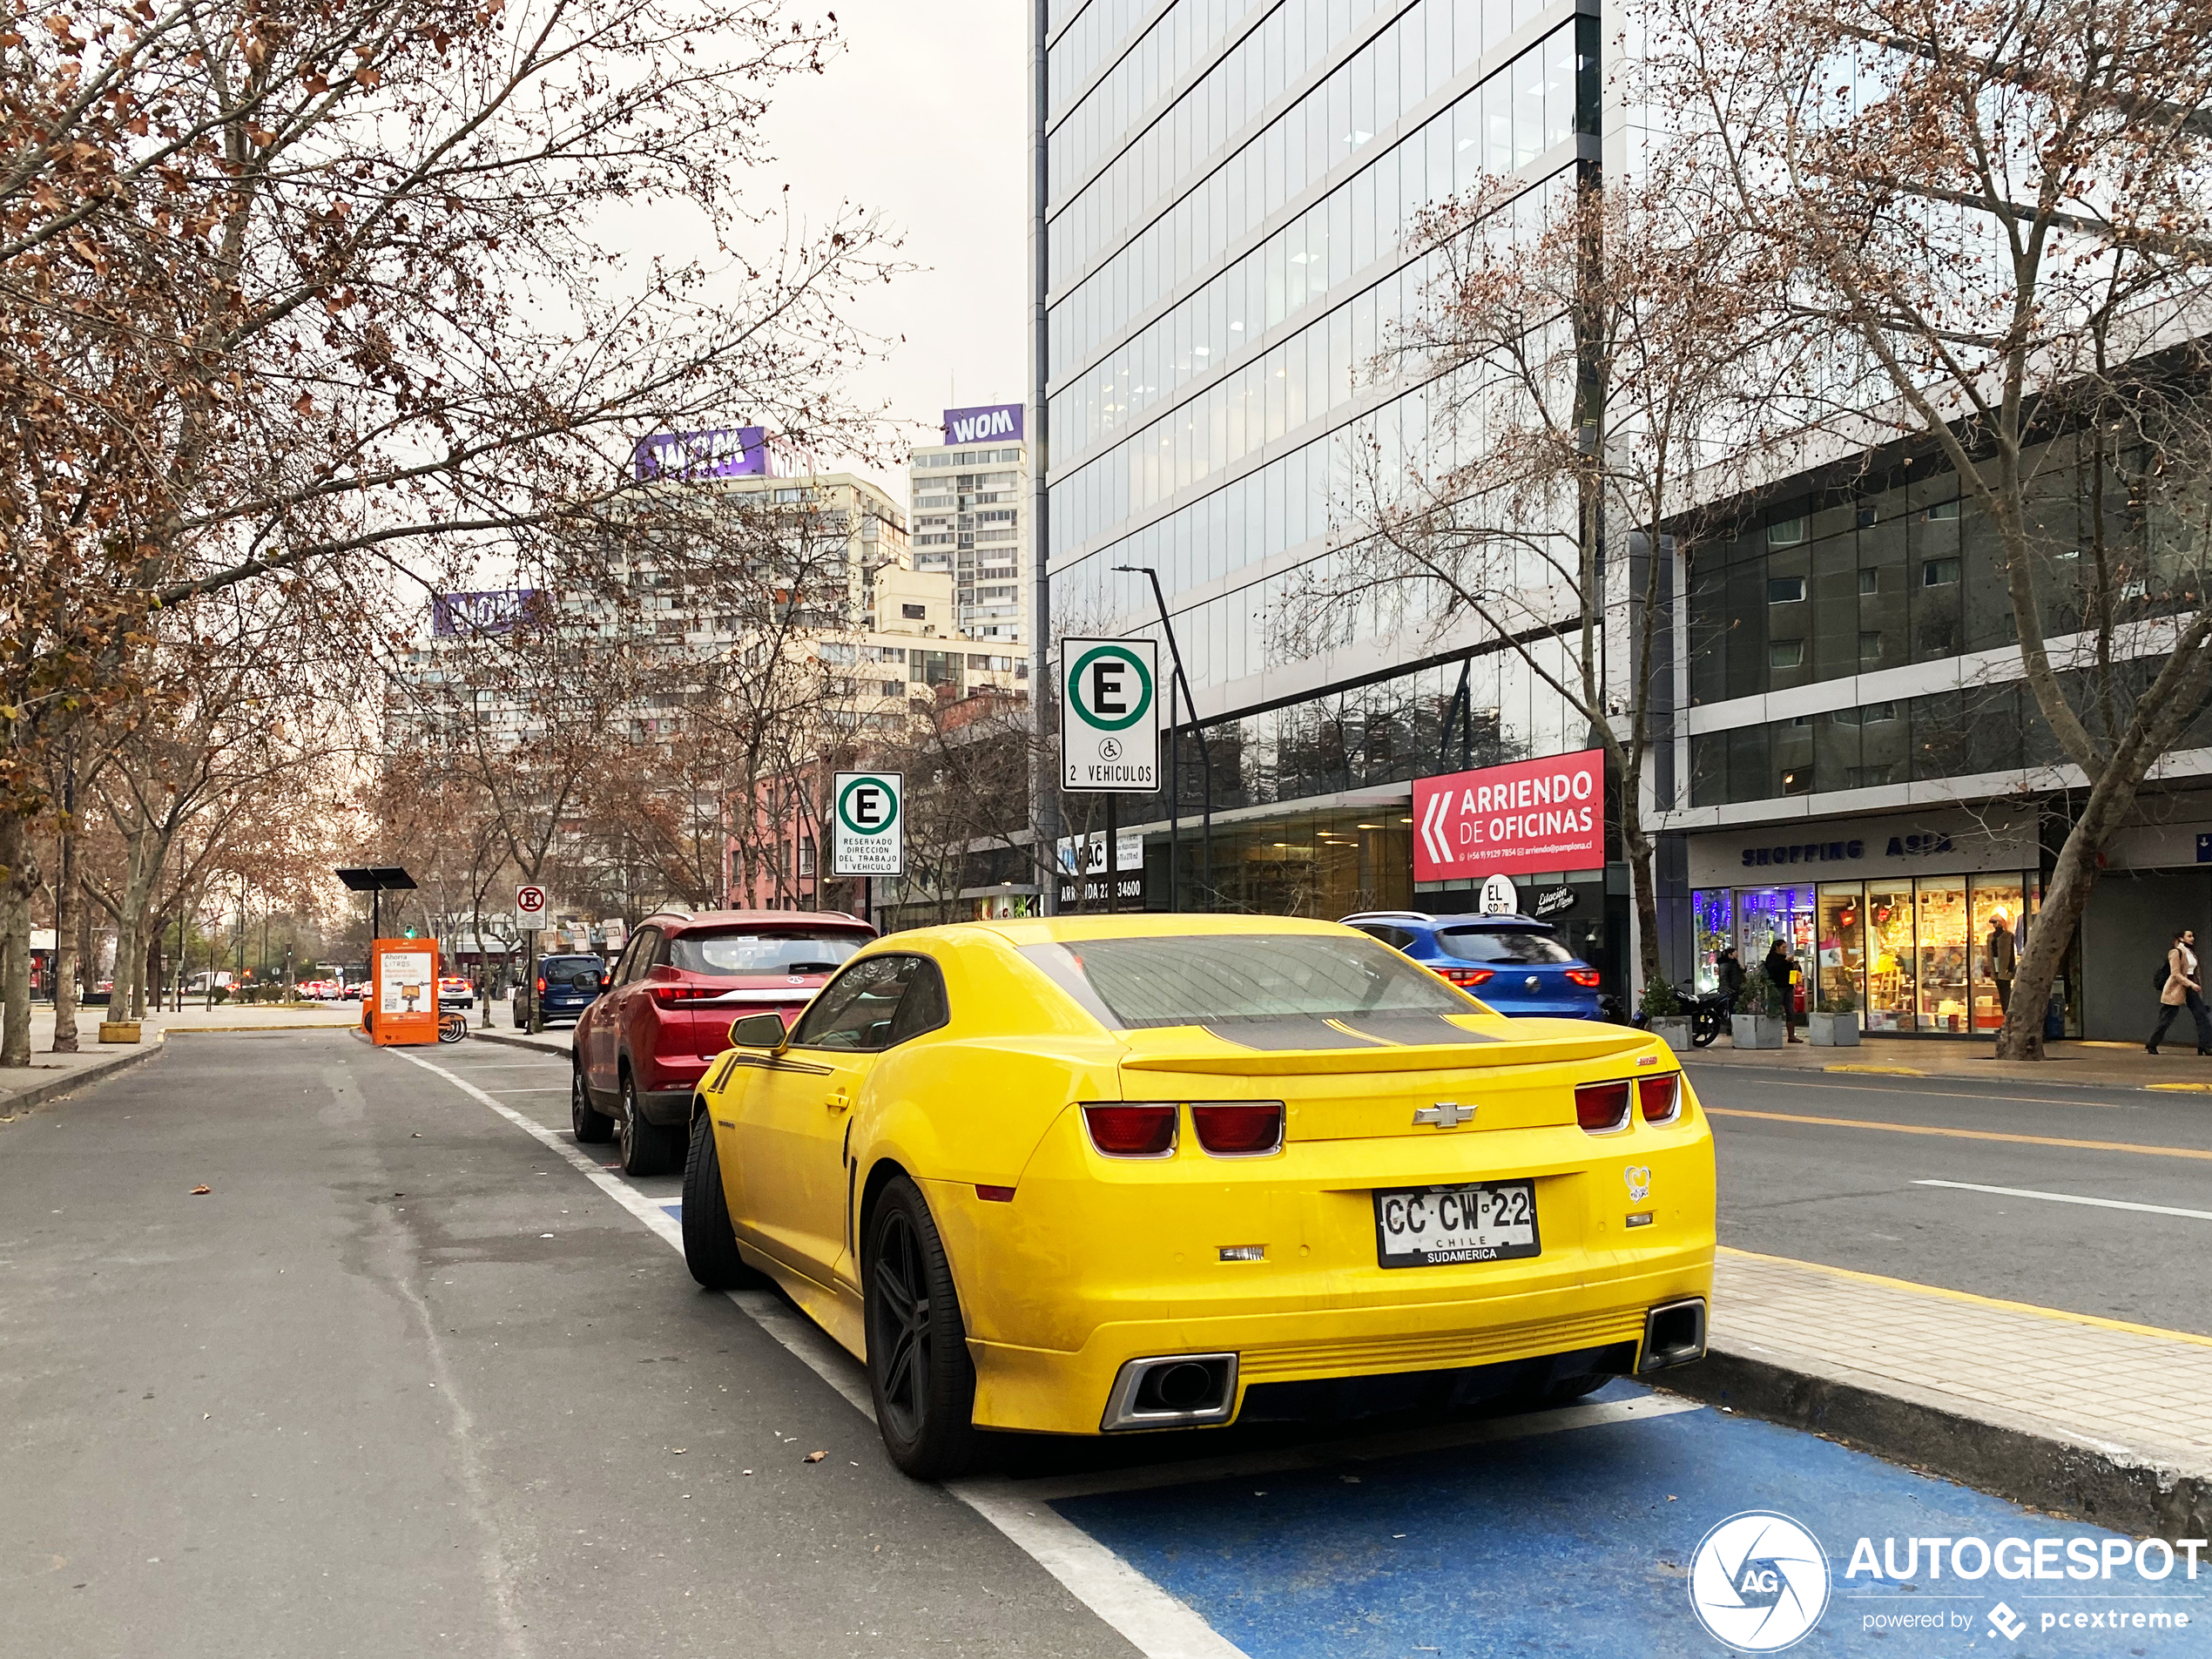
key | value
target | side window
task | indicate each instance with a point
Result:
(639, 956)
(621, 970)
(923, 1008)
(1396, 938)
(855, 1010)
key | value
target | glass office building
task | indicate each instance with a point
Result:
(1227, 190)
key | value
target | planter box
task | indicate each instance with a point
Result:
(118, 1031)
(1757, 1030)
(1674, 1032)
(1832, 1031)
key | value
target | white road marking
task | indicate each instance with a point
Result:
(1156, 1624)
(2071, 1198)
(562, 1091)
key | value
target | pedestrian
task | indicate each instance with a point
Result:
(1779, 970)
(2182, 990)
(2000, 956)
(1731, 977)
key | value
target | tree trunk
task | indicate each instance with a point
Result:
(2073, 877)
(17, 881)
(67, 904)
(151, 977)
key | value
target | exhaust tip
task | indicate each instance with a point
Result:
(1172, 1391)
(1674, 1334)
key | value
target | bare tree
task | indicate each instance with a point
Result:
(1989, 220)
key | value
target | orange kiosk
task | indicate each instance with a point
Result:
(402, 1006)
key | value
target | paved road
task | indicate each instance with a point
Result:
(409, 1382)
(1852, 1191)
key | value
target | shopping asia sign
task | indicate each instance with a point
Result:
(1515, 819)
(981, 425)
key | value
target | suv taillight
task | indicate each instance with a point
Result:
(1238, 1127)
(666, 994)
(1132, 1131)
(541, 986)
(1661, 1097)
(1465, 977)
(1583, 976)
(1602, 1107)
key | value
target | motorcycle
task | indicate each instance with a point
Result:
(1709, 1018)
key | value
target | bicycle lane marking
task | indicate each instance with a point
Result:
(1150, 1620)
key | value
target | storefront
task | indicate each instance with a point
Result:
(1914, 921)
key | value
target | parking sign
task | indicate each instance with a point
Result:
(1109, 714)
(867, 823)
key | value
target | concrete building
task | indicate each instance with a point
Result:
(972, 518)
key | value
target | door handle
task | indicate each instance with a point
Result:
(837, 1100)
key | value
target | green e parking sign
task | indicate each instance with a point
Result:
(867, 827)
(1109, 714)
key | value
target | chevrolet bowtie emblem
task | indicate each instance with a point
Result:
(1446, 1113)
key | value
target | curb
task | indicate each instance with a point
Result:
(99, 1071)
(1705, 1058)
(513, 1040)
(2143, 1492)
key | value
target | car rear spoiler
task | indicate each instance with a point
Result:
(1218, 1057)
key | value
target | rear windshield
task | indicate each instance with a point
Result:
(1207, 978)
(783, 950)
(564, 967)
(1486, 945)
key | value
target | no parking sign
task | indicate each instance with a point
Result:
(867, 823)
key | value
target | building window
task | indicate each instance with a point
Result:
(915, 613)
(1869, 649)
(1938, 573)
(1942, 510)
(1786, 653)
(1796, 780)
(1870, 582)
(1785, 589)
(1786, 532)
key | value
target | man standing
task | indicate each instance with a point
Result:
(1778, 965)
(2182, 989)
(2001, 955)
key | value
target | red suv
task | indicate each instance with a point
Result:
(642, 1048)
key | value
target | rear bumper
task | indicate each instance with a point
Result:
(1601, 1327)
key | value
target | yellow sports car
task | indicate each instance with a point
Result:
(1097, 1174)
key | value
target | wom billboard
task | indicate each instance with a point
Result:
(1513, 819)
(982, 424)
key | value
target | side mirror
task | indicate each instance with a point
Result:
(757, 1031)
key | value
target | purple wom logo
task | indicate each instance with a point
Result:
(980, 425)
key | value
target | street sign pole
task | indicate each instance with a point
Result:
(1113, 858)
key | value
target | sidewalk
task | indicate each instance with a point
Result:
(50, 1074)
(2108, 1065)
(2064, 1411)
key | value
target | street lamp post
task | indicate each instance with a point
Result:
(1205, 759)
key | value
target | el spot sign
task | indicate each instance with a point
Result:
(1109, 714)
(867, 823)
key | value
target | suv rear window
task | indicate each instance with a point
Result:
(565, 966)
(763, 951)
(1501, 945)
(1206, 979)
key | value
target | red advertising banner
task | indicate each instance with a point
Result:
(1513, 819)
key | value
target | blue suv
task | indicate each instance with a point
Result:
(1514, 963)
(566, 985)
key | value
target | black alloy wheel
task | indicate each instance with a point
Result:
(710, 1239)
(590, 1124)
(919, 1368)
(647, 1147)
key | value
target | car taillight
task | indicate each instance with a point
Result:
(1467, 976)
(1146, 1131)
(1587, 976)
(1601, 1107)
(667, 993)
(1661, 1097)
(1238, 1127)
(540, 987)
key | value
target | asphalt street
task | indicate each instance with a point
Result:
(1840, 1169)
(419, 1375)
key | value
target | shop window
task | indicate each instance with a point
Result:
(1996, 915)
(1714, 931)
(1840, 945)
(1785, 589)
(1890, 959)
(1940, 924)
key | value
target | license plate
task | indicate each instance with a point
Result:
(1437, 1226)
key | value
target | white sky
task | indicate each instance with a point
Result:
(925, 117)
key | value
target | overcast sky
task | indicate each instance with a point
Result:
(924, 116)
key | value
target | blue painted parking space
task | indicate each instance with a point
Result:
(1583, 1542)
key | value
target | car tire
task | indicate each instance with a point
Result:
(919, 1369)
(647, 1147)
(710, 1239)
(591, 1125)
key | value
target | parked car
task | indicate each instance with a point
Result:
(994, 1163)
(357, 990)
(1514, 963)
(641, 1049)
(565, 987)
(454, 992)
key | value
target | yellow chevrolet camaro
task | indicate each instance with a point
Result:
(1082, 1176)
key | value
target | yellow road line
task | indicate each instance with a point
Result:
(2198, 1089)
(1978, 1301)
(1882, 1071)
(1968, 1134)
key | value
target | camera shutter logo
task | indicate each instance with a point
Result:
(1759, 1581)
